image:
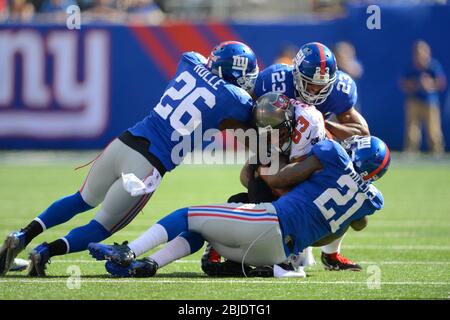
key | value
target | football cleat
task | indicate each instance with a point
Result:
(261, 272)
(39, 258)
(141, 268)
(118, 253)
(19, 265)
(211, 255)
(285, 270)
(12, 246)
(337, 262)
(213, 266)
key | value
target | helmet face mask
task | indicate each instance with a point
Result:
(248, 80)
(302, 82)
(278, 137)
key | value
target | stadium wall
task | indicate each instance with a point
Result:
(67, 89)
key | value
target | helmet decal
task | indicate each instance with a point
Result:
(320, 76)
(240, 63)
(282, 102)
(236, 63)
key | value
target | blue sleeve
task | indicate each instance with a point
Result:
(240, 104)
(263, 83)
(343, 96)
(345, 101)
(353, 96)
(193, 57)
(330, 154)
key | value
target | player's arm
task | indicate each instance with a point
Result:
(292, 173)
(350, 123)
(247, 174)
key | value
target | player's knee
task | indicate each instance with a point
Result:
(194, 239)
(90, 198)
(82, 201)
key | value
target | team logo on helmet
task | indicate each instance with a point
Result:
(281, 102)
(240, 63)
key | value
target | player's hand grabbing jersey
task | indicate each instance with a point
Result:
(279, 78)
(194, 100)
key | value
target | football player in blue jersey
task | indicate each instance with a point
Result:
(204, 94)
(331, 190)
(314, 78)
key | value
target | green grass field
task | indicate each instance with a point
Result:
(409, 241)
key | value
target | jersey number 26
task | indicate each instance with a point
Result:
(185, 100)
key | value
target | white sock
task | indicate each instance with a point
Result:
(174, 250)
(333, 247)
(150, 239)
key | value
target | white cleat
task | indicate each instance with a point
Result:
(279, 272)
(19, 265)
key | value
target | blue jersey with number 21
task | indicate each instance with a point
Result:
(195, 100)
(328, 201)
(279, 78)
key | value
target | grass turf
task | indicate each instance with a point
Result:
(408, 242)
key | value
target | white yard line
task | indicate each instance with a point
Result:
(398, 247)
(363, 262)
(215, 281)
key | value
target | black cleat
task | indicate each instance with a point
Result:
(118, 253)
(337, 262)
(39, 257)
(12, 246)
(213, 266)
(141, 268)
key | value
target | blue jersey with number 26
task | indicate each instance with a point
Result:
(195, 100)
(279, 78)
(328, 201)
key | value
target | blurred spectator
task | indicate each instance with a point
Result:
(287, 53)
(105, 10)
(49, 6)
(21, 10)
(346, 59)
(422, 84)
(328, 7)
(103, 7)
(146, 11)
